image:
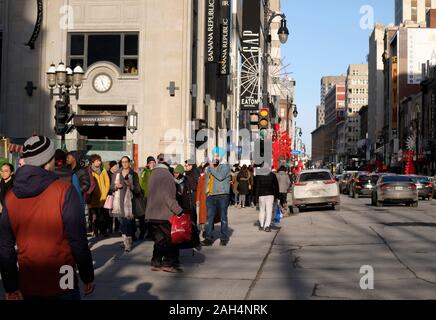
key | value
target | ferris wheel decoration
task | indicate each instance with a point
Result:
(281, 82)
(411, 142)
(250, 81)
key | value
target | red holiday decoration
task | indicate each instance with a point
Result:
(410, 166)
(282, 146)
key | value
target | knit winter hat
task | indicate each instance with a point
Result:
(179, 169)
(190, 161)
(150, 159)
(38, 151)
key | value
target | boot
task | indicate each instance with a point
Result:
(128, 245)
(123, 244)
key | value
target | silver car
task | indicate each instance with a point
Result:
(395, 189)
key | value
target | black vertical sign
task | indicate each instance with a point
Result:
(225, 28)
(212, 38)
(250, 71)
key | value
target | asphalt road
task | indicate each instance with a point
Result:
(317, 254)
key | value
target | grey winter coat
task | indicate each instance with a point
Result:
(284, 181)
(161, 201)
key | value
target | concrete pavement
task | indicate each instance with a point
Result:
(315, 255)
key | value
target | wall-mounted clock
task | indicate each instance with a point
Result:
(102, 83)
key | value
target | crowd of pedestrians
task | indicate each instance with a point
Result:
(44, 206)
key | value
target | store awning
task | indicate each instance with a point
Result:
(15, 148)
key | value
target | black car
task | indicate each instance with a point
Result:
(362, 185)
(424, 186)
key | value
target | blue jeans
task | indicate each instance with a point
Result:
(217, 204)
(127, 226)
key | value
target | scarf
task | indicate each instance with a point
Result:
(127, 203)
(96, 170)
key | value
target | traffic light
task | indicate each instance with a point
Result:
(63, 117)
(263, 122)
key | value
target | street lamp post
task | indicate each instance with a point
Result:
(294, 113)
(64, 79)
(283, 34)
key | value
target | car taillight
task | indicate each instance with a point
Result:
(412, 187)
(300, 184)
(385, 187)
(429, 185)
(329, 182)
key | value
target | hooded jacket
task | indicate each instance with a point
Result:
(44, 218)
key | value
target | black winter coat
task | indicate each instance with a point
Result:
(4, 189)
(192, 178)
(184, 196)
(266, 185)
(84, 179)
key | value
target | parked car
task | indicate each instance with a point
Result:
(362, 185)
(395, 189)
(433, 179)
(315, 188)
(425, 187)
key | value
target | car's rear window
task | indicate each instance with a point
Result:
(397, 179)
(421, 179)
(314, 176)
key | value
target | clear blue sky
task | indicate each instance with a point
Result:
(325, 37)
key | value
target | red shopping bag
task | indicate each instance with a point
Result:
(181, 229)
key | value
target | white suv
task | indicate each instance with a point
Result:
(315, 188)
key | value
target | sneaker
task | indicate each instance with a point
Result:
(207, 243)
(260, 228)
(268, 229)
(224, 243)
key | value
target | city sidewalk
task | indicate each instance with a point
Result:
(213, 273)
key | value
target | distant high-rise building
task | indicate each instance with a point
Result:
(412, 10)
(327, 83)
(320, 116)
(335, 104)
(376, 87)
(356, 97)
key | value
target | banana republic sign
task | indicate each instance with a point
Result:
(211, 31)
(218, 29)
(100, 120)
(225, 37)
(250, 71)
